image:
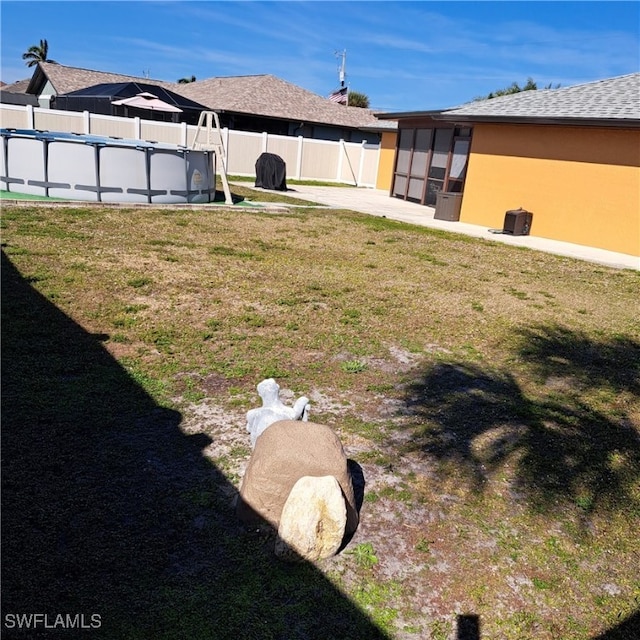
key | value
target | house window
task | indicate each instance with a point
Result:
(430, 160)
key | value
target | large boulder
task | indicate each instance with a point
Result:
(287, 451)
(313, 520)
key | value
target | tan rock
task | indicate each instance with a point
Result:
(313, 520)
(287, 451)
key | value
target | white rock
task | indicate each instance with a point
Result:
(313, 520)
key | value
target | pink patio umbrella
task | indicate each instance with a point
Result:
(146, 100)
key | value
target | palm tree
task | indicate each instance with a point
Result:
(187, 80)
(37, 54)
(357, 99)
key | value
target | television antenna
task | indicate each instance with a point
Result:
(343, 56)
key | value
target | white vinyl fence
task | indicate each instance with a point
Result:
(306, 158)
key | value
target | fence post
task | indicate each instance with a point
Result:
(183, 126)
(137, 128)
(86, 122)
(341, 152)
(265, 141)
(31, 121)
(299, 159)
(361, 163)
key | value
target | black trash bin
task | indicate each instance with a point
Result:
(271, 172)
(517, 222)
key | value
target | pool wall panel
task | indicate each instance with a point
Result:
(168, 172)
(201, 179)
(26, 163)
(123, 168)
(74, 164)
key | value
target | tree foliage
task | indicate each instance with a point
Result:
(357, 99)
(187, 80)
(515, 88)
(37, 53)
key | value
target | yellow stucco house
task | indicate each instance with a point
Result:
(570, 156)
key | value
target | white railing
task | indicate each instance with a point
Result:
(306, 158)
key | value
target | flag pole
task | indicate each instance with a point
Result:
(343, 74)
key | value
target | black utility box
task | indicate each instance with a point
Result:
(448, 206)
(517, 222)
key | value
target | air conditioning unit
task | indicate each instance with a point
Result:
(517, 222)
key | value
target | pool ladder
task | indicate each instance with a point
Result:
(209, 124)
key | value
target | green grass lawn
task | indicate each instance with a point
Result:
(241, 195)
(490, 396)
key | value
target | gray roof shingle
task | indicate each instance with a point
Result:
(613, 98)
(17, 87)
(67, 79)
(609, 102)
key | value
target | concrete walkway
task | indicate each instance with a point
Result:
(378, 203)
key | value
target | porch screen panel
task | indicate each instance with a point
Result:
(441, 147)
(421, 153)
(438, 169)
(404, 150)
(416, 186)
(399, 185)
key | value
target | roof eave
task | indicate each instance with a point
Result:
(374, 130)
(583, 122)
(307, 120)
(38, 79)
(403, 115)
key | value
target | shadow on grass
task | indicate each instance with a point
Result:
(221, 197)
(628, 629)
(468, 627)
(574, 442)
(111, 512)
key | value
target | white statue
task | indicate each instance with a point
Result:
(273, 409)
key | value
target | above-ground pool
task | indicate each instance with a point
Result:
(100, 169)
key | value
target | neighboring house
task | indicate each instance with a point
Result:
(50, 80)
(571, 156)
(266, 103)
(249, 103)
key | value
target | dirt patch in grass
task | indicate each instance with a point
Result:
(489, 396)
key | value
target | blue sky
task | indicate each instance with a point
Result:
(404, 55)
